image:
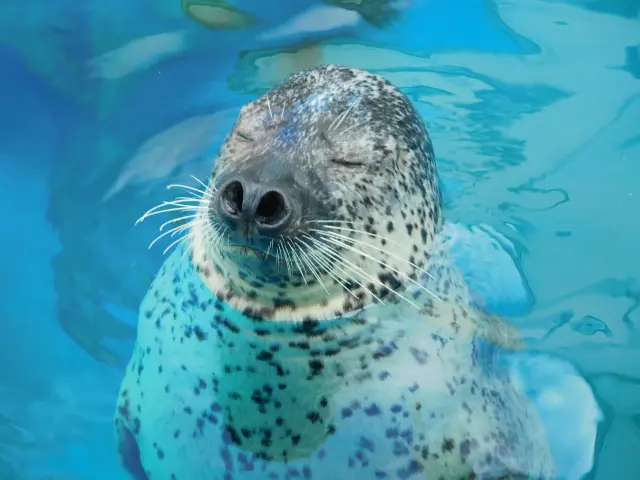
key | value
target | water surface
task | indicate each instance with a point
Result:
(533, 107)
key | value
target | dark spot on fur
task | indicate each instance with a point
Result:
(448, 445)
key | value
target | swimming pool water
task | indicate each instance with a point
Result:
(533, 107)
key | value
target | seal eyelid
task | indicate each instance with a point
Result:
(244, 137)
(346, 163)
(338, 160)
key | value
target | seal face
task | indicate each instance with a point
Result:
(330, 181)
(311, 326)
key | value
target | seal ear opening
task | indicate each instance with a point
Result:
(130, 454)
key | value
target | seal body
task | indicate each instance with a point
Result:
(311, 326)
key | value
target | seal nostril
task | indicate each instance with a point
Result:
(271, 209)
(231, 198)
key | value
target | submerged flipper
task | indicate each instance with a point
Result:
(130, 453)
(563, 398)
(566, 404)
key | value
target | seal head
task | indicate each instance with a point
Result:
(324, 199)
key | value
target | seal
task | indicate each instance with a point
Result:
(310, 324)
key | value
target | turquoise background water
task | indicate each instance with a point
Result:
(533, 107)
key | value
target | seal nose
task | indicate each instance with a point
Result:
(242, 201)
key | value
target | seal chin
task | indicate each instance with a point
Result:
(250, 249)
(281, 261)
(279, 280)
(252, 258)
(245, 251)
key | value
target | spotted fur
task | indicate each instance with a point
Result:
(373, 366)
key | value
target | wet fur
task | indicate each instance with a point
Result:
(240, 374)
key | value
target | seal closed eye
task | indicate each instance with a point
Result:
(310, 324)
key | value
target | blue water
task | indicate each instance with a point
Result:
(534, 110)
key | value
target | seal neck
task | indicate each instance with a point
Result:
(281, 385)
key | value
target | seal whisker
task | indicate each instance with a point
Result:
(178, 241)
(312, 268)
(324, 265)
(288, 259)
(187, 199)
(168, 210)
(341, 117)
(266, 255)
(187, 187)
(359, 271)
(190, 236)
(172, 232)
(334, 122)
(284, 109)
(363, 232)
(350, 222)
(214, 235)
(185, 202)
(194, 206)
(324, 262)
(382, 263)
(208, 188)
(178, 201)
(352, 126)
(185, 237)
(269, 107)
(382, 250)
(179, 209)
(283, 258)
(295, 259)
(172, 203)
(214, 238)
(175, 220)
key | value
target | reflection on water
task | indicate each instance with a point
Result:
(216, 14)
(533, 107)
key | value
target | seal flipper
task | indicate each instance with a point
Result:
(566, 404)
(130, 454)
